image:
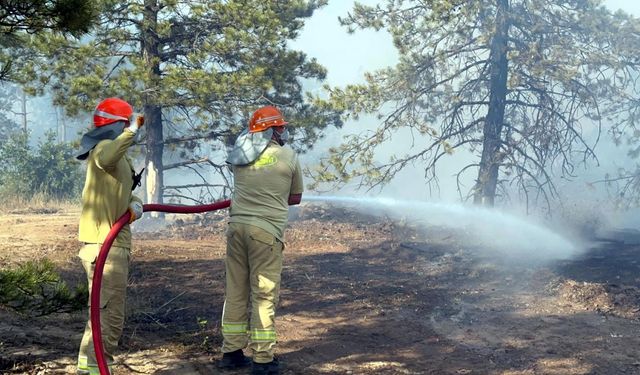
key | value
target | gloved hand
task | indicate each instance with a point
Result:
(136, 210)
(135, 122)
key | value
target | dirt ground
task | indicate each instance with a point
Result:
(360, 295)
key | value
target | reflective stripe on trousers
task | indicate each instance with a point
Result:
(86, 369)
(235, 328)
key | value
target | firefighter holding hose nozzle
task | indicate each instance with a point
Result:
(267, 179)
(107, 195)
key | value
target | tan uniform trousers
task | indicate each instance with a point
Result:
(253, 267)
(112, 304)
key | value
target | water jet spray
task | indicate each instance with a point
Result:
(497, 230)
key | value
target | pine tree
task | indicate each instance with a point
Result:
(8, 98)
(21, 17)
(517, 83)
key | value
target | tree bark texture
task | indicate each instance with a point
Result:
(152, 111)
(487, 182)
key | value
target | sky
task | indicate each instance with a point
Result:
(629, 6)
(346, 56)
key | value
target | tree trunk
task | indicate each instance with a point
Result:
(155, 147)
(152, 112)
(24, 113)
(487, 182)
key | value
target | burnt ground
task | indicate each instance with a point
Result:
(360, 295)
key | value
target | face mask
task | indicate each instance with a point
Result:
(283, 137)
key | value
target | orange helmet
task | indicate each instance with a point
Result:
(111, 110)
(265, 118)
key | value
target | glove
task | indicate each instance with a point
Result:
(136, 210)
(135, 122)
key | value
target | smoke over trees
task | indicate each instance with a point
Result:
(518, 84)
(196, 69)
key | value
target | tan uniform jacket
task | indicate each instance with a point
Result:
(107, 191)
(262, 189)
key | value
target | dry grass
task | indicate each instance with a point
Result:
(39, 203)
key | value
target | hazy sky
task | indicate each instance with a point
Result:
(630, 6)
(348, 56)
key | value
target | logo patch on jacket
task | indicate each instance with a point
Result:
(266, 160)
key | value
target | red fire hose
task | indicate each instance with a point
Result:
(96, 329)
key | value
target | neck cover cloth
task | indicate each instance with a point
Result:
(93, 137)
(249, 146)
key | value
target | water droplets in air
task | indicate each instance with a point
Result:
(495, 230)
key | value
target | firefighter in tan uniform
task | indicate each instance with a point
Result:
(267, 179)
(106, 196)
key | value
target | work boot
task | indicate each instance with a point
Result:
(233, 360)
(271, 368)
